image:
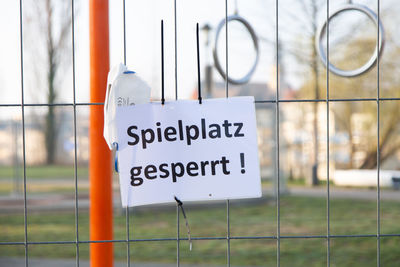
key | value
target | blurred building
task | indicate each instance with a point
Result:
(11, 143)
(297, 128)
(296, 136)
(11, 150)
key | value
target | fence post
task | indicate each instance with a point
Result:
(101, 220)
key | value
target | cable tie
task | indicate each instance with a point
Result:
(180, 204)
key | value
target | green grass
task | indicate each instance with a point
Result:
(299, 216)
(45, 171)
(42, 177)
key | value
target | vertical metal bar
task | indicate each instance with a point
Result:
(278, 217)
(128, 246)
(226, 48)
(176, 55)
(378, 151)
(228, 232)
(328, 226)
(128, 250)
(176, 98)
(198, 64)
(228, 228)
(177, 237)
(23, 132)
(162, 63)
(124, 22)
(75, 139)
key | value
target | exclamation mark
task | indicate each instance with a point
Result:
(242, 162)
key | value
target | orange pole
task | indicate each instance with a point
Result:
(101, 215)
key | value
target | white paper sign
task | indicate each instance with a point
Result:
(189, 150)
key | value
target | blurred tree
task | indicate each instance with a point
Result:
(50, 25)
(355, 54)
(298, 28)
(299, 45)
(298, 21)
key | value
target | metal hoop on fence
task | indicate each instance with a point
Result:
(373, 59)
(254, 38)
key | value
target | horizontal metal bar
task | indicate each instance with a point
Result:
(52, 105)
(256, 101)
(197, 238)
(252, 237)
(388, 235)
(355, 236)
(302, 237)
(328, 100)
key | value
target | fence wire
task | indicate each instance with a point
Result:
(278, 237)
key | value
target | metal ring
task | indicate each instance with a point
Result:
(371, 62)
(254, 38)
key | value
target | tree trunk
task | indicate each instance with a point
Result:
(51, 136)
(315, 72)
(370, 161)
(51, 129)
(315, 179)
(352, 148)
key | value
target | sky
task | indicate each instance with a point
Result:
(143, 46)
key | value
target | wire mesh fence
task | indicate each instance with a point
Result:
(228, 230)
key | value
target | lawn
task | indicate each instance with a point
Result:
(298, 216)
(42, 179)
(45, 171)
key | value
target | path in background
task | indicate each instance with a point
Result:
(15, 262)
(59, 202)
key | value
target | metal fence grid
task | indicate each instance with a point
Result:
(278, 237)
